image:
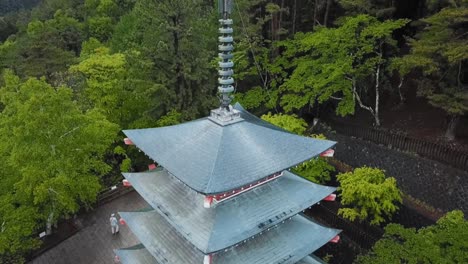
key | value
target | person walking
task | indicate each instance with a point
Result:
(114, 224)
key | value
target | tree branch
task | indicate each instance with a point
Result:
(358, 98)
(402, 99)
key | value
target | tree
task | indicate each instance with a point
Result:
(402, 66)
(444, 242)
(102, 16)
(338, 64)
(113, 86)
(52, 159)
(46, 9)
(179, 37)
(368, 195)
(47, 47)
(18, 223)
(291, 123)
(440, 52)
(377, 8)
(7, 6)
(7, 26)
(255, 50)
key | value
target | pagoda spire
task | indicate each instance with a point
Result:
(225, 47)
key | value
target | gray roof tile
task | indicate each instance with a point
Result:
(211, 158)
(286, 244)
(231, 221)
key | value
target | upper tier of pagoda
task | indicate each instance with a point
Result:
(212, 155)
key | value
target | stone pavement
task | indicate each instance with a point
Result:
(94, 243)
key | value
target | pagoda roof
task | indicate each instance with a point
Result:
(140, 255)
(213, 158)
(233, 220)
(135, 255)
(287, 243)
(311, 260)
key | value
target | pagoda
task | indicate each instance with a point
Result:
(223, 192)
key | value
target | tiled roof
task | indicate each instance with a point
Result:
(231, 221)
(140, 255)
(135, 255)
(311, 260)
(211, 158)
(287, 243)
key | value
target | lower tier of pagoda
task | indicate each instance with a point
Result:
(286, 243)
(140, 255)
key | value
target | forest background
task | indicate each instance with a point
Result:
(77, 72)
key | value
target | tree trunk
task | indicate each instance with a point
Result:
(327, 12)
(450, 133)
(402, 98)
(294, 17)
(377, 96)
(49, 223)
(315, 13)
(280, 22)
(178, 68)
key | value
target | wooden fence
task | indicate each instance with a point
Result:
(436, 151)
(358, 237)
(108, 195)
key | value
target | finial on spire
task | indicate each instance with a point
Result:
(225, 47)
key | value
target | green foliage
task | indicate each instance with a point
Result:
(331, 63)
(90, 47)
(368, 195)
(52, 157)
(253, 98)
(377, 8)
(100, 27)
(126, 164)
(18, 223)
(455, 103)
(435, 6)
(111, 85)
(103, 15)
(316, 170)
(170, 119)
(441, 51)
(47, 8)
(46, 47)
(291, 123)
(179, 37)
(255, 51)
(104, 74)
(444, 242)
